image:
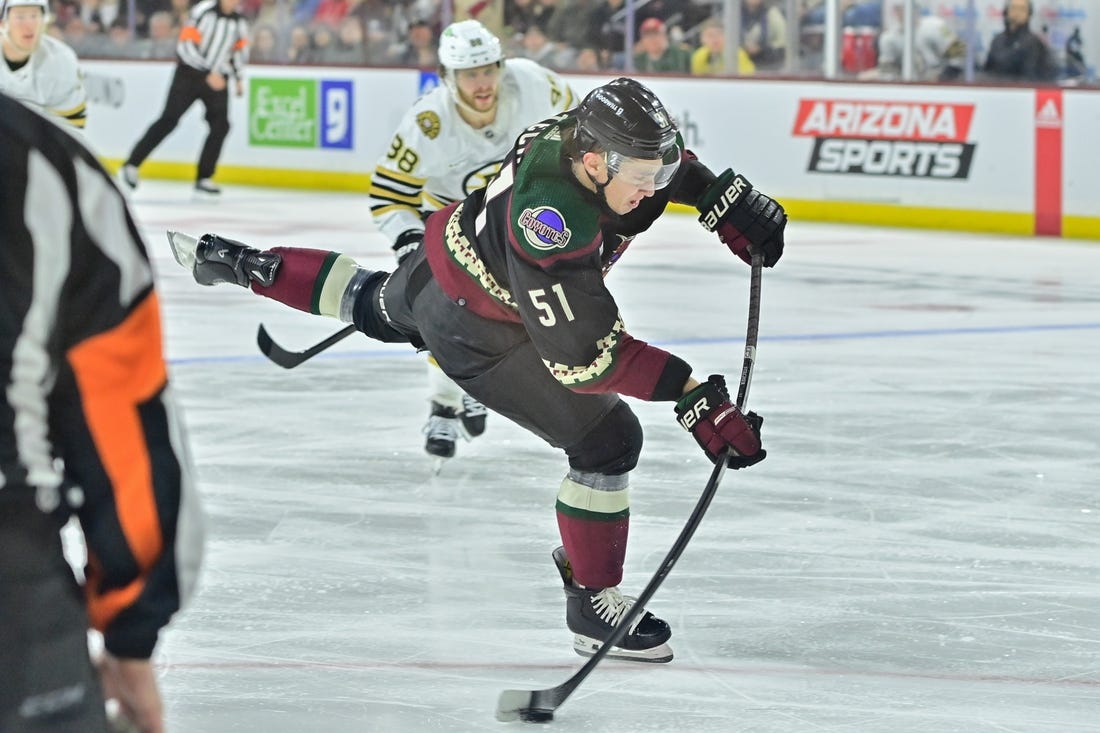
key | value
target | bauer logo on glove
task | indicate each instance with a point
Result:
(747, 221)
(716, 424)
(717, 211)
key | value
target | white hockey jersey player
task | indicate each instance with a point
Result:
(449, 144)
(37, 69)
(436, 157)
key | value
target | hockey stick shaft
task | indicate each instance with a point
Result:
(290, 359)
(515, 704)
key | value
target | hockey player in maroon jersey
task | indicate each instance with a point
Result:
(508, 293)
(451, 142)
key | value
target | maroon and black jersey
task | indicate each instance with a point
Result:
(534, 246)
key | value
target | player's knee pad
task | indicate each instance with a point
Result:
(361, 302)
(612, 447)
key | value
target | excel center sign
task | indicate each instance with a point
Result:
(301, 113)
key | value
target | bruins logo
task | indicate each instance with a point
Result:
(480, 178)
(428, 122)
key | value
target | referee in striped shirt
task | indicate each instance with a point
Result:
(212, 47)
(88, 428)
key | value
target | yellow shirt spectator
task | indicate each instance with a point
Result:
(710, 60)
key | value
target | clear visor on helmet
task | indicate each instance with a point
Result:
(642, 172)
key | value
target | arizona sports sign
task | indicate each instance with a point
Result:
(873, 138)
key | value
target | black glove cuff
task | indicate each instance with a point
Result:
(724, 195)
(406, 243)
(701, 401)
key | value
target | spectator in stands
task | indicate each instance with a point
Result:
(519, 15)
(143, 11)
(321, 39)
(657, 54)
(276, 14)
(1017, 54)
(100, 14)
(587, 59)
(265, 45)
(571, 24)
(710, 58)
(938, 52)
(1076, 66)
(249, 9)
(540, 49)
(300, 46)
(331, 12)
(304, 10)
(610, 29)
(161, 43)
(763, 34)
(419, 48)
(181, 12)
(490, 13)
(78, 38)
(348, 48)
(120, 42)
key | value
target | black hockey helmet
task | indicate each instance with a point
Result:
(627, 121)
(624, 116)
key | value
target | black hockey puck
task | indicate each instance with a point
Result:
(536, 715)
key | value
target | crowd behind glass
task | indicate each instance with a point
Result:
(778, 37)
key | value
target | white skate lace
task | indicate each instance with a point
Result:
(611, 606)
(471, 407)
(441, 428)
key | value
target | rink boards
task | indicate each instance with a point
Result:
(1000, 159)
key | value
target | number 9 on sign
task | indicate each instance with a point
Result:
(337, 114)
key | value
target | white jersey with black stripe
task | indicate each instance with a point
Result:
(50, 81)
(436, 158)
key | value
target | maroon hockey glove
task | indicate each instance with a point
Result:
(707, 414)
(745, 219)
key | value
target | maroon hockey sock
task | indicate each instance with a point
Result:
(596, 549)
(300, 277)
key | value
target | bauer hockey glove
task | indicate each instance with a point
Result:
(706, 413)
(746, 220)
(406, 243)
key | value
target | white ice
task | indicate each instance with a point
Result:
(919, 552)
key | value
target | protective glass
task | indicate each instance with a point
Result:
(642, 173)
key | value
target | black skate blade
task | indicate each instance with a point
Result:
(530, 706)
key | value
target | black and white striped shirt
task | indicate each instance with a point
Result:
(84, 394)
(214, 40)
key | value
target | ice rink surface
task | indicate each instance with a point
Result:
(919, 552)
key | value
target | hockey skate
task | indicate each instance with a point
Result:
(213, 259)
(206, 190)
(442, 432)
(592, 615)
(472, 416)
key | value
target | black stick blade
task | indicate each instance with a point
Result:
(530, 706)
(290, 359)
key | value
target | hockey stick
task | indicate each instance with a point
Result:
(290, 359)
(538, 706)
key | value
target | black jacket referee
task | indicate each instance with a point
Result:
(212, 47)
